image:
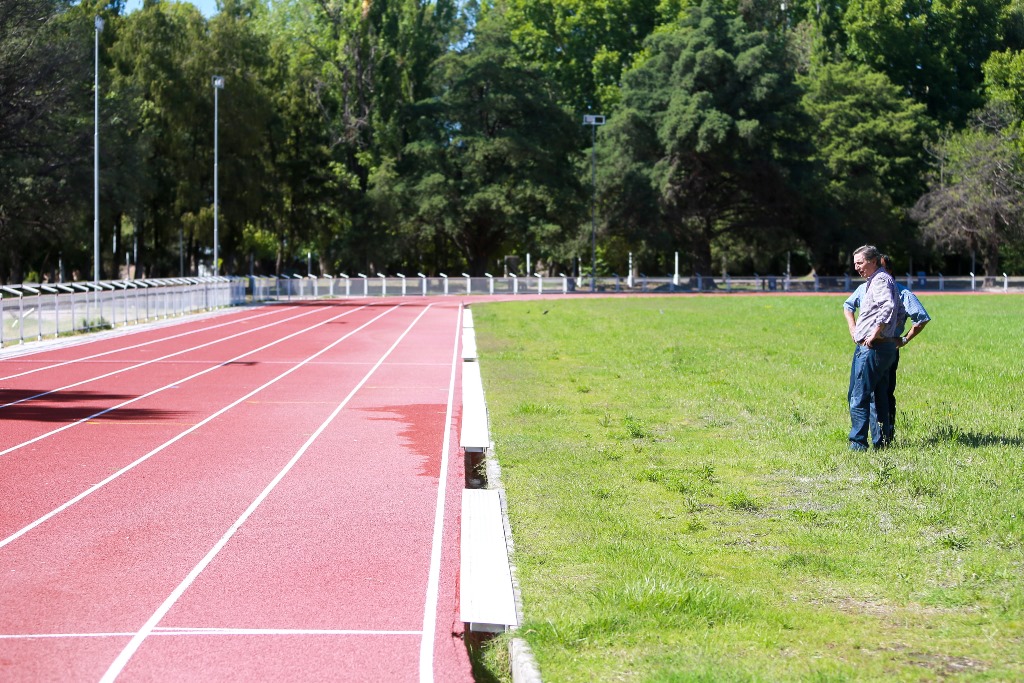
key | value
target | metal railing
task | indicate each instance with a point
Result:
(344, 286)
(34, 312)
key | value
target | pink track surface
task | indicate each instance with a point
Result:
(253, 496)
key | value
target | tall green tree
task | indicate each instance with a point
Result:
(162, 65)
(369, 61)
(494, 171)
(240, 52)
(869, 141)
(934, 49)
(45, 132)
(584, 45)
(707, 143)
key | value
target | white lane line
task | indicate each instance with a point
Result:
(173, 385)
(132, 647)
(156, 360)
(169, 631)
(137, 346)
(21, 532)
(434, 575)
(166, 631)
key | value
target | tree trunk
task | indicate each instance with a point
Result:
(991, 264)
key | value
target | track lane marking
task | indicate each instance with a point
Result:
(214, 631)
(24, 530)
(117, 666)
(175, 384)
(155, 360)
(434, 574)
(136, 346)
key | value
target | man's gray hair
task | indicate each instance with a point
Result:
(870, 253)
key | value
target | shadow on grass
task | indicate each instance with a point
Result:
(951, 434)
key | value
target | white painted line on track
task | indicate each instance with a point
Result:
(135, 346)
(173, 385)
(147, 629)
(181, 435)
(172, 631)
(213, 631)
(434, 575)
(156, 360)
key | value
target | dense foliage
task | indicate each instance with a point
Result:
(444, 136)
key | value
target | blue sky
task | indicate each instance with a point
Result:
(207, 7)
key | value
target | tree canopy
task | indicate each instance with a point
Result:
(436, 135)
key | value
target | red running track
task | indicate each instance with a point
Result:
(271, 494)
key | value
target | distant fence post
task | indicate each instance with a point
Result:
(972, 282)
(700, 283)
(1006, 283)
(490, 283)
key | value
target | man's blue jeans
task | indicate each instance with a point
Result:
(888, 429)
(869, 374)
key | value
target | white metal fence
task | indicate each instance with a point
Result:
(288, 288)
(34, 312)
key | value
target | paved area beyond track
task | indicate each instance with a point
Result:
(270, 494)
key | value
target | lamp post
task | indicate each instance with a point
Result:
(218, 85)
(593, 120)
(96, 159)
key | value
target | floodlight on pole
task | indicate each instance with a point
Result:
(96, 158)
(218, 85)
(593, 120)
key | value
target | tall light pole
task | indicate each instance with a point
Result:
(96, 160)
(593, 120)
(218, 85)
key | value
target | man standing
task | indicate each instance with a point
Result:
(883, 434)
(875, 336)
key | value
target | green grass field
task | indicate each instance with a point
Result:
(684, 506)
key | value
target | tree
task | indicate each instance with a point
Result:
(162, 66)
(493, 166)
(584, 45)
(45, 131)
(869, 143)
(933, 49)
(974, 197)
(708, 138)
(363, 63)
(240, 52)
